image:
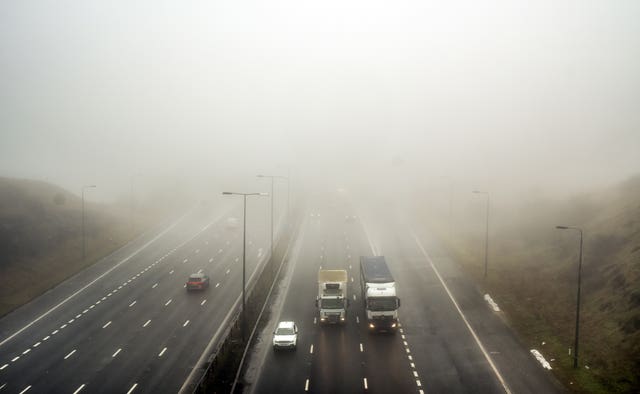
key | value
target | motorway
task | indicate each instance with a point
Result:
(449, 340)
(126, 324)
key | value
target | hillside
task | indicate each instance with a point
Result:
(40, 237)
(533, 276)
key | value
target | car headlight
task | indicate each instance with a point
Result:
(393, 325)
(322, 319)
(371, 325)
(342, 318)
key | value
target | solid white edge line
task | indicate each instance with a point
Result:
(93, 281)
(466, 322)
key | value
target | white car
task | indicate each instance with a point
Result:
(285, 335)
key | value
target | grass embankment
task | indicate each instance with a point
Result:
(533, 277)
(41, 237)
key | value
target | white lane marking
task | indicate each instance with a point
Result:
(203, 301)
(79, 389)
(361, 348)
(109, 295)
(410, 358)
(129, 281)
(37, 344)
(26, 351)
(132, 388)
(354, 297)
(102, 299)
(45, 338)
(71, 321)
(70, 354)
(132, 304)
(117, 351)
(415, 374)
(211, 260)
(306, 385)
(16, 358)
(412, 365)
(185, 260)
(185, 323)
(311, 349)
(405, 343)
(217, 284)
(349, 266)
(219, 250)
(154, 286)
(466, 322)
(3, 385)
(315, 319)
(366, 387)
(170, 272)
(119, 287)
(162, 352)
(62, 327)
(197, 250)
(107, 325)
(168, 302)
(54, 332)
(200, 271)
(4, 366)
(407, 350)
(229, 270)
(357, 319)
(147, 323)
(93, 281)
(92, 306)
(352, 279)
(25, 389)
(402, 336)
(237, 259)
(79, 315)
(418, 383)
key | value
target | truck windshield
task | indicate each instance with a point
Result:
(332, 303)
(382, 304)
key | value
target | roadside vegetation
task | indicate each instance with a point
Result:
(533, 277)
(41, 237)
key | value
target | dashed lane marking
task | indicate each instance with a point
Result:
(311, 349)
(185, 323)
(70, 354)
(203, 301)
(79, 389)
(116, 353)
(154, 286)
(306, 385)
(366, 387)
(132, 304)
(132, 388)
(25, 389)
(162, 352)
(147, 323)
(167, 303)
(107, 325)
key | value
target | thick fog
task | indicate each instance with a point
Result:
(510, 95)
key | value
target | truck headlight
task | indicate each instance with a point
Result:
(342, 318)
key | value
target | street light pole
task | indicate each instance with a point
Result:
(486, 234)
(244, 254)
(577, 331)
(84, 247)
(272, 199)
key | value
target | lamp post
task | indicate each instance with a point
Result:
(575, 342)
(486, 235)
(288, 194)
(244, 249)
(84, 247)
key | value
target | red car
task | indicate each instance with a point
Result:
(197, 282)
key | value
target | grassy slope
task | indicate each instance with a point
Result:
(533, 272)
(40, 238)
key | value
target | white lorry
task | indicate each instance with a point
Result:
(379, 294)
(332, 298)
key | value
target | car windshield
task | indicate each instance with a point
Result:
(195, 279)
(285, 331)
(332, 303)
(382, 304)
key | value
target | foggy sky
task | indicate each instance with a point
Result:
(541, 95)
